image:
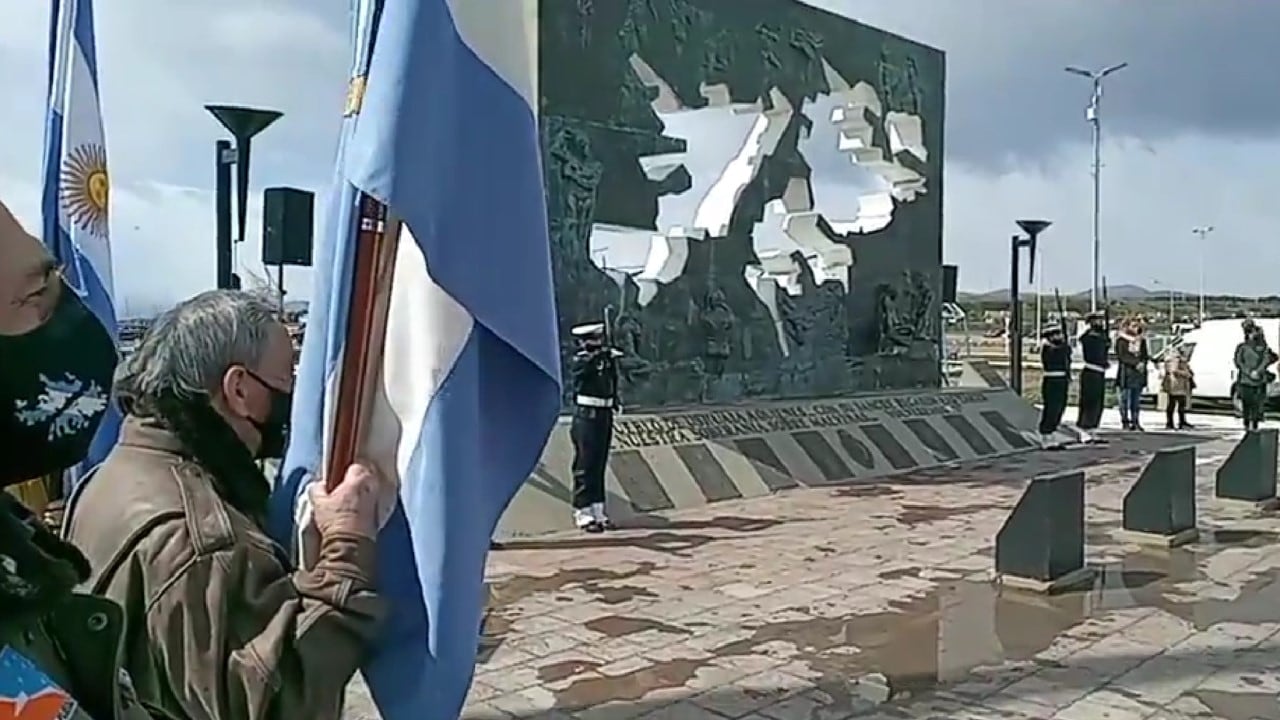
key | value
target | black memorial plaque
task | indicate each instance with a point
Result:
(897, 455)
(707, 472)
(824, 456)
(971, 435)
(856, 449)
(1043, 538)
(932, 439)
(1249, 473)
(724, 423)
(610, 74)
(772, 471)
(1163, 500)
(1001, 424)
(639, 483)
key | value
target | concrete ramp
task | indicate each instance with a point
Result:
(980, 374)
(676, 460)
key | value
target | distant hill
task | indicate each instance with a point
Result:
(1118, 292)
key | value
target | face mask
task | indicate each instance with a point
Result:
(274, 429)
(55, 385)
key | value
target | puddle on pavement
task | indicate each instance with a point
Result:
(944, 636)
(1239, 706)
(506, 593)
(731, 523)
(510, 590)
(867, 490)
(616, 626)
(912, 515)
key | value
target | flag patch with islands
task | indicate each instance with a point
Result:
(27, 693)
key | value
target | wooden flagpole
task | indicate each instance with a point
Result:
(377, 239)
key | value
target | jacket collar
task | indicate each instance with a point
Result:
(149, 434)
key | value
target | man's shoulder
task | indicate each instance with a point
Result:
(163, 510)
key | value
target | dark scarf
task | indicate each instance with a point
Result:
(209, 441)
(37, 568)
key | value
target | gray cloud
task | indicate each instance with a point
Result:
(1197, 105)
(1195, 67)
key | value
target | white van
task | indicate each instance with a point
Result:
(1212, 348)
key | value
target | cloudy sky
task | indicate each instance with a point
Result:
(1192, 128)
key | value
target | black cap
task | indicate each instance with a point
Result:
(1051, 331)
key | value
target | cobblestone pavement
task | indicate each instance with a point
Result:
(876, 601)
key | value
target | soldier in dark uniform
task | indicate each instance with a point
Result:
(1095, 349)
(595, 385)
(1055, 359)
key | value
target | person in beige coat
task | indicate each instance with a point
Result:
(1177, 384)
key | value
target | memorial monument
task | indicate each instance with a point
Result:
(749, 194)
(750, 190)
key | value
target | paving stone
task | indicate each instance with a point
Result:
(781, 625)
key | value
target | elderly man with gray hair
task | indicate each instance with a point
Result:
(218, 624)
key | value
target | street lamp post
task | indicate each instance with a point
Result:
(1169, 290)
(1032, 228)
(1203, 232)
(243, 123)
(1093, 115)
(1036, 262)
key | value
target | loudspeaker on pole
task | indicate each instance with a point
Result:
(288, 222)
(950, 275)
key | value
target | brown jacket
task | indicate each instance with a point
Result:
(1178, 379)
(218, 626)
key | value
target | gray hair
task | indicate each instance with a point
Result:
(188, 348)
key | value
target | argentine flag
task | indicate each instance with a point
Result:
(77, 187)
(441, 127)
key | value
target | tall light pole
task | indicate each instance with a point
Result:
(1094, 116)
(1032, 228)
(1038, 264)
(1203, 232)
(1169, 289)
(243, 123)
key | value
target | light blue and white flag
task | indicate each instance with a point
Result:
(77, 187)
(441, 127)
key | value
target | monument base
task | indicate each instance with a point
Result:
(667, 461)
(1178, 539)
(1265, 505)
(1069, 581)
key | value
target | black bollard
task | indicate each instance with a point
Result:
(1041, 546)
(1249, 473)
(1160, 508)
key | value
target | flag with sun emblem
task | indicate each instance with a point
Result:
(76, 185)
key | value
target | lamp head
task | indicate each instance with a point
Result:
(1033, 227)
(242, 122)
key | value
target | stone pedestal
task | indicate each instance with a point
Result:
(674, 460)
(1041, 546)
(1160, 508)
(1249, 474)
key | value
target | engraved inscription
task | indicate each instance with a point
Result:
(721, 424)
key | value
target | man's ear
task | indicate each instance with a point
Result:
(233, 388)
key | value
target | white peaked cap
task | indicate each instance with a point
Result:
(587, 330)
